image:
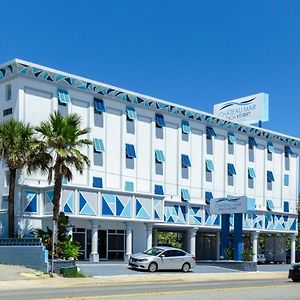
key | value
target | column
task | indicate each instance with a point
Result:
(224, 234)
(94, 256)
(293, 248)
(149, 228)
(192, 240)
(254, 236)
(218, 245)
(155, 234)
(128, 241)
(238, 236)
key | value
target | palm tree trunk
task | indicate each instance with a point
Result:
(11, 203)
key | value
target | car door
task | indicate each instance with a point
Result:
(178, 259)
(166, 260)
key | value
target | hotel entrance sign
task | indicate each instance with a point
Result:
(229, 205)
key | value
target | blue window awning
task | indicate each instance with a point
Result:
(286, 206)
(231, 169)
(252, 142)
(98, 145)
(130, 151)
(185, 126)
(208, 197)
(251, 173)
(185, 161)
(131, 113)
(97, 182)
(288, 150)
(270, 205)
(160, 121)
(209, 165)
(159, 156)
(158, 189)
(185, 195)
(128, 186)
(270, 147)
(231, 138)
(270, 176)
(210, 132)
(63, 96)
(99, 105)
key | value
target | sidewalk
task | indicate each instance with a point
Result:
(32, 280)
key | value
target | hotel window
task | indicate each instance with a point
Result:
(160, 124)
(7, 112)
(252, 144)
(270, 179)
(185, 164)
(208, 197)
(64, 99)
(8, 92)
(286, 206)
(130, 155)
(251, 176)
(97, 182)
(98, 152)
(99, 109)
(158, 190)
(159, 160)
(210, 133)
(185, 195)
(231, 142)
(270, 151)
(230, 172)
(209, 167)
(286, 180)
(287, 153)
(270, 205)
(185, 130)
(131, 116)
(129, 186)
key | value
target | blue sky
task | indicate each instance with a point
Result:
(195, 53)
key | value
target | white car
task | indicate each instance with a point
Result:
(162, 258)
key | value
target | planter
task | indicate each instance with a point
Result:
(59, 263)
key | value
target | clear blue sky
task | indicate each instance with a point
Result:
(196, 53)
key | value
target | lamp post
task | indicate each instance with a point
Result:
(53, 241)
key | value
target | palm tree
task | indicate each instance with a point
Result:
(17, 145)
(61, 137)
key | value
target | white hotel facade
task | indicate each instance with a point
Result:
(155, 165)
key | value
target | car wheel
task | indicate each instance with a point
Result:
(152, 267)
(295, 280)
(185, 268)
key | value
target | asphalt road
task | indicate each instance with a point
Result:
(238, 289)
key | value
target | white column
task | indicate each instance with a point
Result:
(192, 238)
(128, 241)
(94, 256)
(218, 245)
(254, 236)
(149, 229)
(155, 238)
(293, 248)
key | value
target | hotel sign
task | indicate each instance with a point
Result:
(250, 109)
(229, 205)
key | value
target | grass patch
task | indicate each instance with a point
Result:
(71, 272)
(74, 275)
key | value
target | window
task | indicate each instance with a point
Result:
(7, 112)
(270, 205)
(160, 124)
(210, 133)
(99, 109)
(130, 117)
(286, 179)
(8, 92)
(185, 164)
(231, 172)
(158, 189)
(287, 152)
(159, 159)
(231, 142)
(286, 206)
(185, 130)
(270, 150)
(251, 176)
(97, 182)
(130, 155)
(270, 179)
(64, 180)
(129, 186)
(208, 197)
(185, 195)
(209, 168)
(98, 152)
(252, 144)
(63, 97)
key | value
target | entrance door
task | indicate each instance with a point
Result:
(79, 236)
(206, 246)
(102, 244)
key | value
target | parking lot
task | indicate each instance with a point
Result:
(120, 268)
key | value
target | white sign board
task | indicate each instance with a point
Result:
(228, 205)
(250, 109)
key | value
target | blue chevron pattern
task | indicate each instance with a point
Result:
(116, 206)
(30, 202)
(196, 215)
(175, 214)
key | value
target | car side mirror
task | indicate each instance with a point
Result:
(162, 256)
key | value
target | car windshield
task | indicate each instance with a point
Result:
(153, 251)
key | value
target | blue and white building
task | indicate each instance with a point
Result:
(155, 165)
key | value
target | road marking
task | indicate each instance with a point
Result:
(175, 292)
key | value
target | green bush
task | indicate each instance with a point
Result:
(70, 272)
(229, 253)
(247, 254)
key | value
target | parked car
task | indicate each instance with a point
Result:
(294, 272)
(288, 256)
(162, 258)
(261, 259)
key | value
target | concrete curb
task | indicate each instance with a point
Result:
(59, 282)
